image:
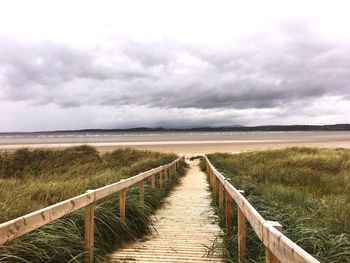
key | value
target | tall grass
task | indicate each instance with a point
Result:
(306, 189)
(63, 240)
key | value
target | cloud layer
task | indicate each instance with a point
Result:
(287, 74)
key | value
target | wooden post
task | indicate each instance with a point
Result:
(89, 230)
(217, 189)
(166, 175)
(142, 191)
(209, 176)
(242, 236)
(228, 214)
(122, 204)
(221, 196)
(161, 179)
(269, 257)
(153, 179)
(214, 184)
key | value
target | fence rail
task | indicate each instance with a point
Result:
(279, 248)
(15, 228)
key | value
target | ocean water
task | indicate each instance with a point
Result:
(109, 137)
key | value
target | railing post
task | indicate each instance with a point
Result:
(242, 236)
(221, 196)
(210, 178)
(166, 174)
(217, 189)
(269, 257)
(228, 213)
(89, 230)
(122, 204)
(161, 178)
(153, 181)
(214, 185)
(142, 191)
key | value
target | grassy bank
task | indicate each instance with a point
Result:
(30, 180)
(307, 190)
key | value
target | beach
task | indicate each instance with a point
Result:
(189, 143)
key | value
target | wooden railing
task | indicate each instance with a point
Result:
(278, 247)
(17, 227)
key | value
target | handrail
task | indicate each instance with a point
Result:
(15, 228)
(279, 248)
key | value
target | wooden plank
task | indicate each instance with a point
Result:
(217, 190)
(214, 185)
(17, 227)
(122, 204)
(22, 225)
(183, 230)
(89, 230)
(153, 181)
(142, 191)
(269, 256)
(166, 174)
(228, 213)
(161, 179)
(221, 196)
(242, 235)
(279, 245)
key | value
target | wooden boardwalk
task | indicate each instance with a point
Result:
(184, 228)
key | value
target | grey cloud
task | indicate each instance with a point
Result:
(256, 73)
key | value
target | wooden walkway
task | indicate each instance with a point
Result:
(184, 228)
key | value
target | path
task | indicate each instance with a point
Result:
(184, 227)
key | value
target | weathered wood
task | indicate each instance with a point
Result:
(214, 185)
(89, 230)
(161, 179)
(228, 213)
(221, 196)
(122, 204)
(166, 174)
(184, 228)
(153, 181)
(269, 256)
(242, 236)
(142, 191)
(279, 245)
(15, 228)
(210, 178)
(217, 190)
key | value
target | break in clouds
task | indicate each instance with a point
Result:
(287, 75)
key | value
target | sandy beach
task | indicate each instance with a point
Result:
(181, 143)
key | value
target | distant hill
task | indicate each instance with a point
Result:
(333, 127)
(238, 128)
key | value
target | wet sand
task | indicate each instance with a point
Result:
(182, 143)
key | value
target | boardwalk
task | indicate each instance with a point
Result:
(184, 227)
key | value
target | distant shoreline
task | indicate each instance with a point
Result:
(262, 128)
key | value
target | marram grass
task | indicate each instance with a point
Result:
(63, 239)
(307, 190)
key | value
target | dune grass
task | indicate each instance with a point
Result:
(307, 190)
(30, 180)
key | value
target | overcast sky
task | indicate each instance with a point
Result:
(117, 64)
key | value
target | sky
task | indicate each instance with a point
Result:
(120, 64)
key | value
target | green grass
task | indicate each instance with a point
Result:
(30, 180)
(307, 190)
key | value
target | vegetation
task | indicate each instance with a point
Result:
(307, 190)
(30, 180)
